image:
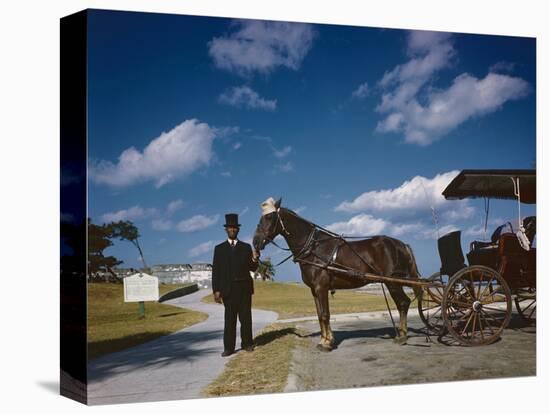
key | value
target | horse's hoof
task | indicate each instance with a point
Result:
(400, 340)
(323, 348)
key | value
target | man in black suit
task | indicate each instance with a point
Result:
(232, 285)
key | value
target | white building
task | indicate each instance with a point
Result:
(200, 273)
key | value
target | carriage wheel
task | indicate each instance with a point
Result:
(477, 305)
(429, 304)
(526, 304)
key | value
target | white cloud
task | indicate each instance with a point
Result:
(174, 206)
(434, 234)
(477, 230)
(237, 145)
(195, 223)
(261, 46)
(161, 224)
(461, 212)
(244, 211)
(367, 225)
(502, 67)
(441, 111)
(244, 96)
(286, 167)
(300, 209)
(173, 154)
(362, 224)
(282, 152)
(133, 213)
(417, 193)
(361, 92)
(226, 173)
(201, 249)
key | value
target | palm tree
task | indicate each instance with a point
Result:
(265, 270)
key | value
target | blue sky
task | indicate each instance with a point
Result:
(358, 129)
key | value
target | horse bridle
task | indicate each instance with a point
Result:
(302, 250)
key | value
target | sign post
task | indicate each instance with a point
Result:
(141, 287)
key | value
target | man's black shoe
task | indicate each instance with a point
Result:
(227, 353)
(249, 348)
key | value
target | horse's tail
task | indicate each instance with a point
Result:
(413, 270)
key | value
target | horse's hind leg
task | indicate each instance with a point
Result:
(402, 301)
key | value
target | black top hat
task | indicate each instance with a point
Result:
(232, 220)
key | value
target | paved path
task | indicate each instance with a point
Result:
(176, 366)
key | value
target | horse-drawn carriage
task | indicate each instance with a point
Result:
(473, 302)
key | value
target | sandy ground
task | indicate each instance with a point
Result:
(366, 356)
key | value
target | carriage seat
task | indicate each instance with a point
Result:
(493, 244)
(486, 253)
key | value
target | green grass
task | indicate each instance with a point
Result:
(292, 300)
(114, 325)
(263, 371)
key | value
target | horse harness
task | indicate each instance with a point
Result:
(325, 263)
(331, 264)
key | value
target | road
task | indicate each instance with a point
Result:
(173, 367)
(366, 356)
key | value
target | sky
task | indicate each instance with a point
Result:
(358, 129)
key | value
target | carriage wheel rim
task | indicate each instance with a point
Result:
(472, 313)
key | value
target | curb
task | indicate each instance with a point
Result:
(341, 317)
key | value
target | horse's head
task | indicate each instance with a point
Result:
(269, 227)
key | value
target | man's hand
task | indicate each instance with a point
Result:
(255, 255)
(218, 297)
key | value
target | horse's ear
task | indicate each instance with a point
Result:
(278, 202)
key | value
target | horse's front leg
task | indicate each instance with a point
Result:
(319, 312)
(327, 340)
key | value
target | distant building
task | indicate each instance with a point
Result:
(200, 273)
(123, 272)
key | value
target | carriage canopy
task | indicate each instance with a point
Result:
(493, 184)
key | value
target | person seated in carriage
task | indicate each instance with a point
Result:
(529, 230)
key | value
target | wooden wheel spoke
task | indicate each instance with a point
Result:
(532, 311)
(533, 302)
(480, 327)
(461, 304)
(495, 309)
(465, 320)
(487, 286)
(471, 274)
(486, 323)
(497, 321)
(467, 323)
(473, 330)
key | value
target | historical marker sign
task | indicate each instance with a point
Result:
(141, 287)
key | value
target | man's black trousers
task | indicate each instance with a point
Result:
(239, 304)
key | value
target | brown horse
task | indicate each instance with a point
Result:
(320, 253)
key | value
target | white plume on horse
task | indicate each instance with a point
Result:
(268, 206)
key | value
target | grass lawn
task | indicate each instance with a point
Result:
(292, 300)
(114, 325)
(263, 371)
